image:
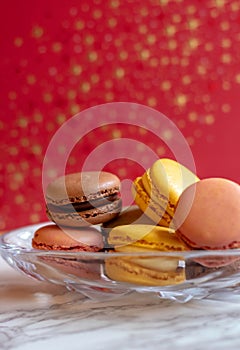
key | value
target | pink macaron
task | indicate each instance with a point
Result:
(208, 214)
(52, 237)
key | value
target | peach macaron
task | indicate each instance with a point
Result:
(208, 214)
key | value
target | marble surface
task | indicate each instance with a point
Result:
(36, 315)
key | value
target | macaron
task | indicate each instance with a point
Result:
(208, 214)
(83, 199)
(158, 190)
(146, 271)
(52, 237)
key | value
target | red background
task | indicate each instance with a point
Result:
(60, 57)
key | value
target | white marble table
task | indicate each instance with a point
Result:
(36, 315)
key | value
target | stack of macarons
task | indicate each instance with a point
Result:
(75, 203)
(174, 211)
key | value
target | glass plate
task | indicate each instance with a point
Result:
(179, 276)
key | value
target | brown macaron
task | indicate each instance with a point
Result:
(52, 237)
(83, 199)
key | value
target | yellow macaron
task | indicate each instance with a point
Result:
(158, 190)
(152, 269)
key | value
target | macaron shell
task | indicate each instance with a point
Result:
(146, 236)
(79, 187)
(51, 237)
(208, 214)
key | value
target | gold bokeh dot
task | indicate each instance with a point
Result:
(31, 79)
(71, 94)
(75, 108)
(193, 23)
(97, 14)
(37, 207)
(167, 135)
(170, 30)
(172, 44)
(161, 150)
(89, 39)
(209, 119)
(11, 167)
(237, 78)
(152, 101)
(114, 3)
(176, 18)
(34, 218)
(192, 116)
(119, 73)
(123, 55)
(22, 122)
(164, 2)
(85, 87)
(226, 108)
(38, 117)
(108, 84)
(57, 47)
(226, 58)
(144, 11)
(122, 172)
(116, 134)
(165, 60)
(143, 29)
(191, 9)
(201, 70)
(47, 97)
(145, 54)
(109, 96)
(208, 47)
(37, 31)
(13, 151)
(193, 43)
(181, 100)
(235, 6)
(19, 199)
(186, 79)
(151, 39)
(24, 142)
(225, 25)
(112, 22)
(92, 56)
(72, 160)
(18, 41)
(226, 85)
(226, 43)
(166, 85)
(190, 140)
(79, 25)
(18, 177)
(37, 149)
(95, 78)
(61, 118)
(76, 69)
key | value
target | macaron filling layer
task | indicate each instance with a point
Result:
(82, 206)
